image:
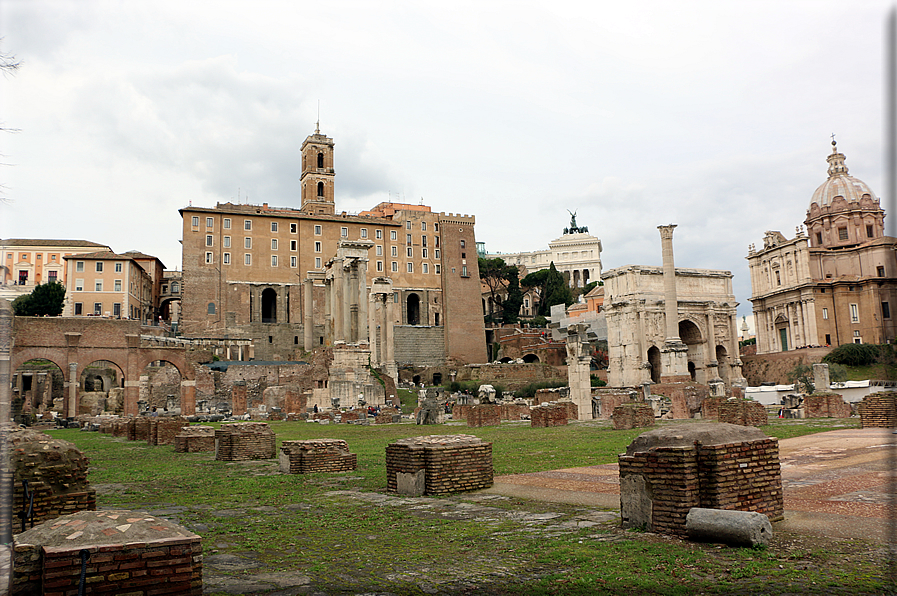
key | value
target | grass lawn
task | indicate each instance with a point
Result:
(341, 534)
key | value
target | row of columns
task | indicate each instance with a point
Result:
(801, 323)
(346, 293)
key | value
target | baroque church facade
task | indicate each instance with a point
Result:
(834, 283)
(293, 280)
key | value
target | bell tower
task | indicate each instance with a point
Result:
(317, 174)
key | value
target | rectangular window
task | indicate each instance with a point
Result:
(227, 242)
(395, 251)
(247, 242)
(854, 313)
(379, 234)
(436, 253)
(79, 285)
(116, 310)
(344, 232)
(464, 271)
(825, 313)
(425, 268)
(364, 232)
(274, 260)
(293, 245)
(423, 226)
(118, 285)
(317, 230)
(98, 285)
(435, 227)
(99, 266)
(463, 244)
(423, 240)
(395, 266)
(247, 259)
(208, 240)
(210, 223)
(209, 260)
(436, 270)
(885, 310)
(97, 308)
(393, 235)
(247, 224)
(842, 233)
(379, 250)
(226, 258)
(436, 242)
(294, 262)
(410, 267)
(407, 225)
(880, 270)
(195, 221)
(379, 265)
(317, 247)
(408, 239)
(51, 276)
(79, 308)
(274, 244)
(317, 262)
(423, 252)
(293, 228)
(409, 252)
(273, 226)
(868, 231)
(226, 223)
(118, 267)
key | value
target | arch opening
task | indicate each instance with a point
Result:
(269, 305)
(160, 388)
(654, 361)
(530, 359)
(101, 389)
(413, 309)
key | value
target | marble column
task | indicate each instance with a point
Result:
(308, 320)
(72, 410)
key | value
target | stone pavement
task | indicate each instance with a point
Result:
(836, 484)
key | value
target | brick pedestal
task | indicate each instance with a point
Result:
(162, 430)
(318, 455)
(878, 410)
(549, 414)
(244, 441)
(484, 415)
(193, 439)
(435, 465)
(744, 412)
(632, 415)
(826, 405)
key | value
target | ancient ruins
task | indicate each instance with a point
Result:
(438, 465)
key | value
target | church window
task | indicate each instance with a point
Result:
(880, 270)
(825, 313)
(854, 313)
(868, 231)
(778, 279)
(320, 189)
(320, 160)
(885, 310)
(842, 234)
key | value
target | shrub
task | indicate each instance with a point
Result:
(854, 355)
(596, 382)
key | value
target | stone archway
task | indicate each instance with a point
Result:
(530, 359)
(101, 385)
(656, 365)
(160, 387)
(690, 334)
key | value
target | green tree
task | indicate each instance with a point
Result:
(45, 300)
(536, 281)
(556, 291)
(502, 279)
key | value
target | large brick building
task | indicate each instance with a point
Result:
(833, 284)
(259, 272)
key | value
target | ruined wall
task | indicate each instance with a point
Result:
(744, 412)
(609, 399)
(632, 415)
(879, 410)
(245, 441)
(547, 415)
(685, 398)
(419, 346)
(774, 368)
(826, 405)
(483, 415)
(318, 455)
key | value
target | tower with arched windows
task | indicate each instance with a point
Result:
(317, 175)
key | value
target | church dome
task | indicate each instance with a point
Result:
(840, 183)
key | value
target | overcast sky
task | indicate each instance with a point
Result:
(712, 115)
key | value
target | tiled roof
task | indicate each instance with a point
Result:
(45, 242)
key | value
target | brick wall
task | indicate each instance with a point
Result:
(514, 411)
(351, 415)
(318, 455)
(550, 414)
(744, 412)
(826, 405)
(632, 415)
(388, 416)
(243, 441)
(736, 476)
(238, 398)
(193, 439)
(484, 415)
(685, 398)
(162, 430)
(610, 399)
(878, 410)
(450, 463)
(710, 407)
